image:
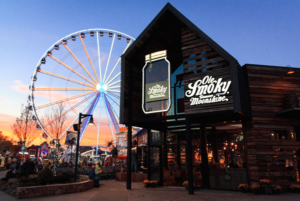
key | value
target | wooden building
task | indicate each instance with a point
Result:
(221, 124)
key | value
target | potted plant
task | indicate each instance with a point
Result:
(266, 186)
(244, 188)
(255, 188)
(186, 185)
(276, 189)
(146, 183)
(295, 188)
(154, 183)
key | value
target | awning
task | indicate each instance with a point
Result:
(292, 112)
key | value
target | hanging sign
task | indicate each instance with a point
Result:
(208, 90)
(156, 83)
(157, 91)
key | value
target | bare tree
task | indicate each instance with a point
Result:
(56, 120)
(56, 123)
(24, 129)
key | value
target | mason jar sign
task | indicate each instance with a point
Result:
(156, 83)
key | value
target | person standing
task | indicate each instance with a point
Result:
(92, 175)
(98, 170)
(18, 164)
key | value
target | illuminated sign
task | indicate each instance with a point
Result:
(157, 91)
(156, 83)
(208, 90)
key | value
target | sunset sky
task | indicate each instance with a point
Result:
(256, 31)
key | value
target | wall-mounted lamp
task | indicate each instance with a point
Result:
(290, 71)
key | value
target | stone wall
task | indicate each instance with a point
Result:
(56, 189)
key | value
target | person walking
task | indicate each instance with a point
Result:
(98, 170)
(92, 175)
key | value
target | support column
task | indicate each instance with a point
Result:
(165, 151)
(129, 142)
(148, 152)
(215, 144)
(205, 168)
(189, 156)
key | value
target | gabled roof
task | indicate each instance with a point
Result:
(189, 24)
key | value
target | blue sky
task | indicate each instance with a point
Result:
(256, 31)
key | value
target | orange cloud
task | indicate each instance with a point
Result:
(1, 99)
(18, 81)
(45, 94)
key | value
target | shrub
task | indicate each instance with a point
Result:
(265, 182)
(244, 187)
(255, 186)
(295, 188)
(146, 183)
(276, 189)
(44, 175)
(28, 168)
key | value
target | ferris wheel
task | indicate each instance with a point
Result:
(80, 73)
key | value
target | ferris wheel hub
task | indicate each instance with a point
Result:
(101, 87)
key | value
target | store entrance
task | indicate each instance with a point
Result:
(155, 164)
(175, 172)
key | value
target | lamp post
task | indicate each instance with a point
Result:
(77, 128)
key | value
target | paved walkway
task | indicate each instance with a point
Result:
(114, 190)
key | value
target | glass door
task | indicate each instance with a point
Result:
(155, 164)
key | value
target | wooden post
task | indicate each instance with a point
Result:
(129, 141)
(165, 151)
(148, 152)
(189, 156)
(205, 168)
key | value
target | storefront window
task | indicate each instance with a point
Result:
(156, 75)
(226, 155)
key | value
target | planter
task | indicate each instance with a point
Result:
(256, 191)
(266, 189)
(243, 190)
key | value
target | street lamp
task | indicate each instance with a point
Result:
(77, 128)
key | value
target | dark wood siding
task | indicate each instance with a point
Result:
(266, 156)
(203, 57)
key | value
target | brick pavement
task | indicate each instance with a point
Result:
(114, 190)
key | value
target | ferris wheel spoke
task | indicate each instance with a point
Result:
(113, 78)
(114, 95)
(87, 119)
(114, 90)
(63, 89)
(111, 47)
(64, 78)
(79, 62)
(66, 99)
(114, 87)
(118, 62)
(112, 113)
(76, 118)
(99, 58)
(98, 124)
(67, 111)
(114, 83)
(112, 134)
(113, 99)
(107, 100)
(87, 54)
(74, 71)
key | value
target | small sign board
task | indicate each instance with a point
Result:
(157, 91)
(71, 138)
